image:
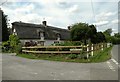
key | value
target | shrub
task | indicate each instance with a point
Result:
(68, 43)
(77, 43)
(116, 40)
(5, 46)
(72, 56)
(12, 45)
(14, 40)
(18, 48)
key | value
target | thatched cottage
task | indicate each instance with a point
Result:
(41, 33)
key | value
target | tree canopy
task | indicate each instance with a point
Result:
(5, 32)
(108, 31)
(116, 38)
(79, 31)
(85, 33)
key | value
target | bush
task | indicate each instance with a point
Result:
(18, 48)
(14, 40)
(12, 45)
(5, 46)
(115, 40)
(68, 43)
(77, 43)
(72, 56)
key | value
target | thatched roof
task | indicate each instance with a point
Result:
(30, 31)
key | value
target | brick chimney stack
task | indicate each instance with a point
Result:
(44, 22)
(69, 27)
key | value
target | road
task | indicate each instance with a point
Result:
(17, 68)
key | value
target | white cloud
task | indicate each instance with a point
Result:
(115, 21)
(114, 30)
(59, 13)
(24, 9)
(66, 0)
(110, 14)
(104, 16)
(74, 9)
(101, 23)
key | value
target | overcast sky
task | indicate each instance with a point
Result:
(62, 13)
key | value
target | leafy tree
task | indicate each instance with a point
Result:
(100, 37)
(116, 38)
(108, 32)
(5, 32)
(92, 33)
(84, 32)
(79, 32)
(88, 33)
(117, 35)
(93, 29)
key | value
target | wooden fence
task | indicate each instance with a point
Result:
(65, 49)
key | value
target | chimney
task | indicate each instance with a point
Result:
(44, 23)
(69, 27)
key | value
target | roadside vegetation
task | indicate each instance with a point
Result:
(13, 45)
(99, 56)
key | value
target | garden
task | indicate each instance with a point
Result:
(86, 45)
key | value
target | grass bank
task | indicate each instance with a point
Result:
(99, 56)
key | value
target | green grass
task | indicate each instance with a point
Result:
(102, 56)
(99, 56)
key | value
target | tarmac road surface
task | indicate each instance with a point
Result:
(18, 68)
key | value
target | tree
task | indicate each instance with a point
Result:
(92, 33)
(117, 35)
(116, 38)
(84, 32)
(79, 32)
(107, 34)
(5, 32)
(100, 37)
(108, 31)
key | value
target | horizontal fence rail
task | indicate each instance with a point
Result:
(52, 52)
(53, 47)
(89, 49)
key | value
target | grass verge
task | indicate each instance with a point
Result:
(99, 56)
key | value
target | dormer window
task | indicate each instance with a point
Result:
(14, 32)
(58, 36)
(40, 34)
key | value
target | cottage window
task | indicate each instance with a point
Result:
(41, 35)
(58, 37)
(14, 32)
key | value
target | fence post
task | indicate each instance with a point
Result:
(105, 45)
(102, 46)
(87, 51)
(95, 46)
(108, 45)
(92, 50)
